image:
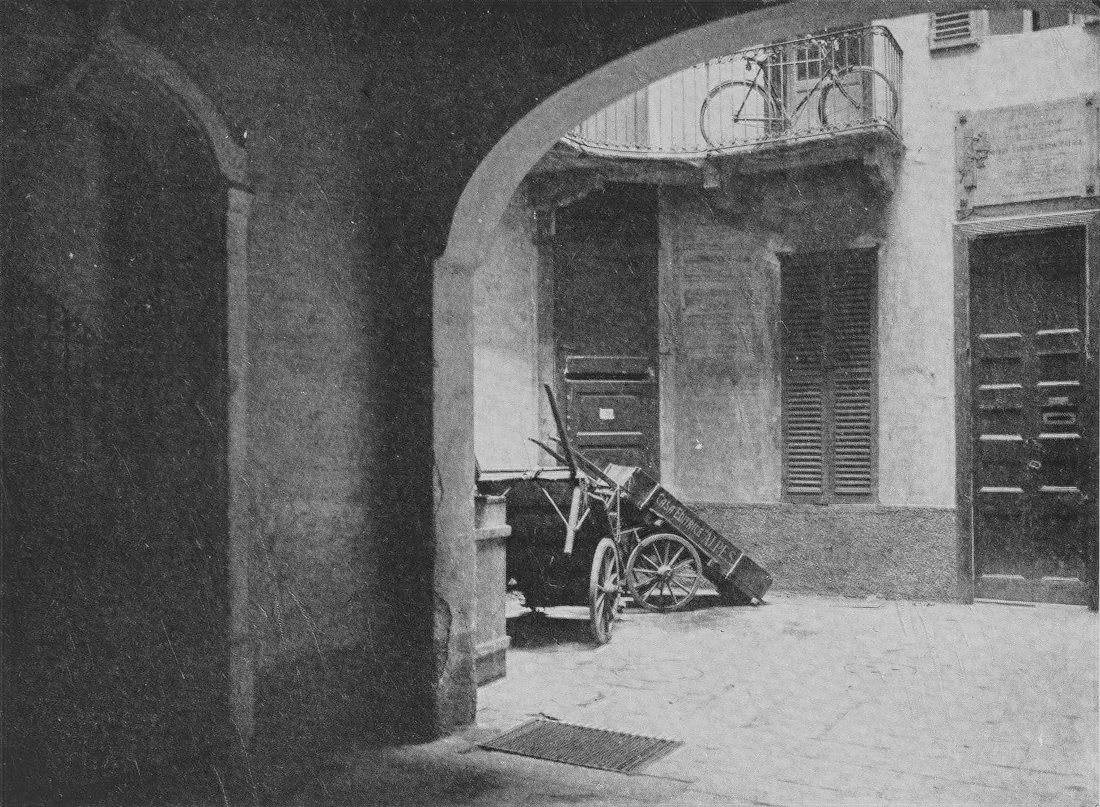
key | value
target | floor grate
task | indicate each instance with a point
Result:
(581, 745)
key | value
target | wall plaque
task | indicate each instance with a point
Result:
(708, 286)
(1030, 152)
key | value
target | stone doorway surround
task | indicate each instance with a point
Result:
(965, 232)
(134, 55)
(113, 53)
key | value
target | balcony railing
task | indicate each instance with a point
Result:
(804, 89)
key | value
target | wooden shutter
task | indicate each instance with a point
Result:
(829, 313)
(852, 330)
(803, 380)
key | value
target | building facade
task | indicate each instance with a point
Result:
(815, 301)
(240, 248)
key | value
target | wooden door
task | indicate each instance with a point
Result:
(1034, 417)
(605, 324)
(611, 403)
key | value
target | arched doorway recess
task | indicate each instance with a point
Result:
(150, 317)
(479, 212)
(132, 54)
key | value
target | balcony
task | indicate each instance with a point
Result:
(759, 103)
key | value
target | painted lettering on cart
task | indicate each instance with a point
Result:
(705, 538)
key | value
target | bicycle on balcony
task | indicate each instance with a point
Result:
(849, 93)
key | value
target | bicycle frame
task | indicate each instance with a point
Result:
(828, 48)
(849, 92)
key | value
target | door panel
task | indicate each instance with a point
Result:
(612, 419)
(1034, 416)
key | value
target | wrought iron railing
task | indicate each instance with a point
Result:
(809, 88)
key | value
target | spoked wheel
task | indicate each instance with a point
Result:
(664, 572)
(859, 94)
(604, 582)
(737, 112)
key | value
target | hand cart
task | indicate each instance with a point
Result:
(609, 514)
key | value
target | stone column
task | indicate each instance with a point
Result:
(455, 689)
(241, 672)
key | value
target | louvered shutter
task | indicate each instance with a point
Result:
(853, 311)
(955, 29)
(803, 380)
(829, 311)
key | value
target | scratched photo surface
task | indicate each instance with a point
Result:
(549, 402)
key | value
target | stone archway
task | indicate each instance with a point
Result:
(477, 215)
(127, 102)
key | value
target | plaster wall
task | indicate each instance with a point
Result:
(56, 168)
(364, 127)
(506, 328)
(916, 343)
(359, 619)
(720, 390)
(718, 384)
(720, 281)
(719, 268)
(721, 437)
(319, 342)
(362, 130)
(114, 446)
(330, 578)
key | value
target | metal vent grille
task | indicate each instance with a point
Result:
(581, 745)
(950, 30)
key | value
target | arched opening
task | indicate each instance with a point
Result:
(485, 203)
(119, 317)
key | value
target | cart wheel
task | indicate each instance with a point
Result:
(663, 572)
(603, 590)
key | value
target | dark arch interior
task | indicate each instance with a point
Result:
(116, 616)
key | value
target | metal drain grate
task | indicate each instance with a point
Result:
(581, 745)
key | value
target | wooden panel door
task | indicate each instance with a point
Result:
(605, 324)
(1034, 417)
(611, 403)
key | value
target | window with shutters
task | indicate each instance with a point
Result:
(828, 333)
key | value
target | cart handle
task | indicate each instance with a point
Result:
(593, 469)
(563, 438)
(549, 451)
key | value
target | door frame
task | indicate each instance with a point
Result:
(965, 232)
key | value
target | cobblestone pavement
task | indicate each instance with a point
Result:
(803, 701)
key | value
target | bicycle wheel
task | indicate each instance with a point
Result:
(663, 572)
(858, 94)
(735, 113)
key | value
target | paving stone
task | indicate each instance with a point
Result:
(804, 701)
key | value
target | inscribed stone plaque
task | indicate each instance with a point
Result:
(1029, 152)
(708, 286)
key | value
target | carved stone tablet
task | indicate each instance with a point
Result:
(1026, 153)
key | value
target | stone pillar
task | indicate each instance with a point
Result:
(241, 672)
(455, 688)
